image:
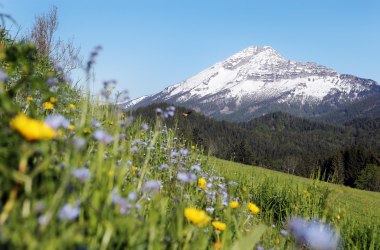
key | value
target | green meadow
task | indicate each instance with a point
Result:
(77, 172)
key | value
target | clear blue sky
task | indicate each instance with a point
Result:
(148, 45)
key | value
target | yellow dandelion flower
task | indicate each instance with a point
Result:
(71, 127)
(72, 106)
(48, 105)
(29, 99)
(253, 208)
(219, 225)
(53, 100)
(192, 147)
(337, 217)
(202, 183)
(234, 204)
(197, 217)
(32, 129)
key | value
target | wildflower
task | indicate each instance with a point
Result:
(110, 123)
(57, 121)
(95, 124)
(82, 174)
(163, 167)
(234, 204)
(183, 152)
(316, 235)
(29, 99)
(197, 217)
(72, 106)
(196, 168)
(78, 142)
(32, 129)
(218, 245)
(48, 105)
(144, 127)
(219, 225)
(132, 196)
(68, 212)
(53, 100)
(102, 136)
(202, 183)
(192, 147)
(71, 127)
(52, 81)
(284, 232)
(253, 208)
(3, 76)
(158, 110)
(186, 177)
(152, 186)
(210, 209)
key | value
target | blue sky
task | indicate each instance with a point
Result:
(149, 45)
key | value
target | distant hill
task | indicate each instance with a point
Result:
(278, 140)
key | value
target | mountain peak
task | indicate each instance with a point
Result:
(258, 80)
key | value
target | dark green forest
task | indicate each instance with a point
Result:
(347, 154)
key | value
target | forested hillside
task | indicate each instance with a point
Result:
(342, 154)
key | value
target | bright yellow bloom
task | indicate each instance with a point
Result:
(72, 106)
(197, 217)
(48, 105)
(192, 147)
(32, 129)
(29, 98)
(219, 225)
(253, 208)
(234, 204)
(53, 100)
(202, 183)
(71, 127)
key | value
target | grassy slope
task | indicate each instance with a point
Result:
(359, 204)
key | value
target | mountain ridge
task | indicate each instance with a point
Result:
(259, 80)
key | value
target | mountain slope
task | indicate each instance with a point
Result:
(258, 80)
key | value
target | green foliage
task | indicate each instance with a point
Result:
(369, 178)
(283, 142)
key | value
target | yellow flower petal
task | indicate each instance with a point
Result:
(32, 129)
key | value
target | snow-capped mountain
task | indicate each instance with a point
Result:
(258, 80)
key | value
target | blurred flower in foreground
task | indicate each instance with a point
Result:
(152, 186)
(102, 136)
(197, 217)
(57, 121)
(68, 212)
(78, 142)
(313, 234)
(32, 129)
(82, 174)
(3, 76)
(219, 225)
(29, 99)
(253, 208)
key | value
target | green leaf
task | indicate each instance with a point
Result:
(249, 241)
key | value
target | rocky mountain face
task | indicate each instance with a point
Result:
(258, 80)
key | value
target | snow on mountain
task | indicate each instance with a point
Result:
(258, 80)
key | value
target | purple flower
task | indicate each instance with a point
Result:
(102, 136)
(158, 110)
(183, 152)
(163, 167)
(134, 149)
(144, 127)
(196, 168)
(152, 186)
(68, 212)
(82, 174)
(186, 177)
(52, 81)
(57, 121)
(95, 124)
(315, 234)
(78, 142)
(3, 76)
